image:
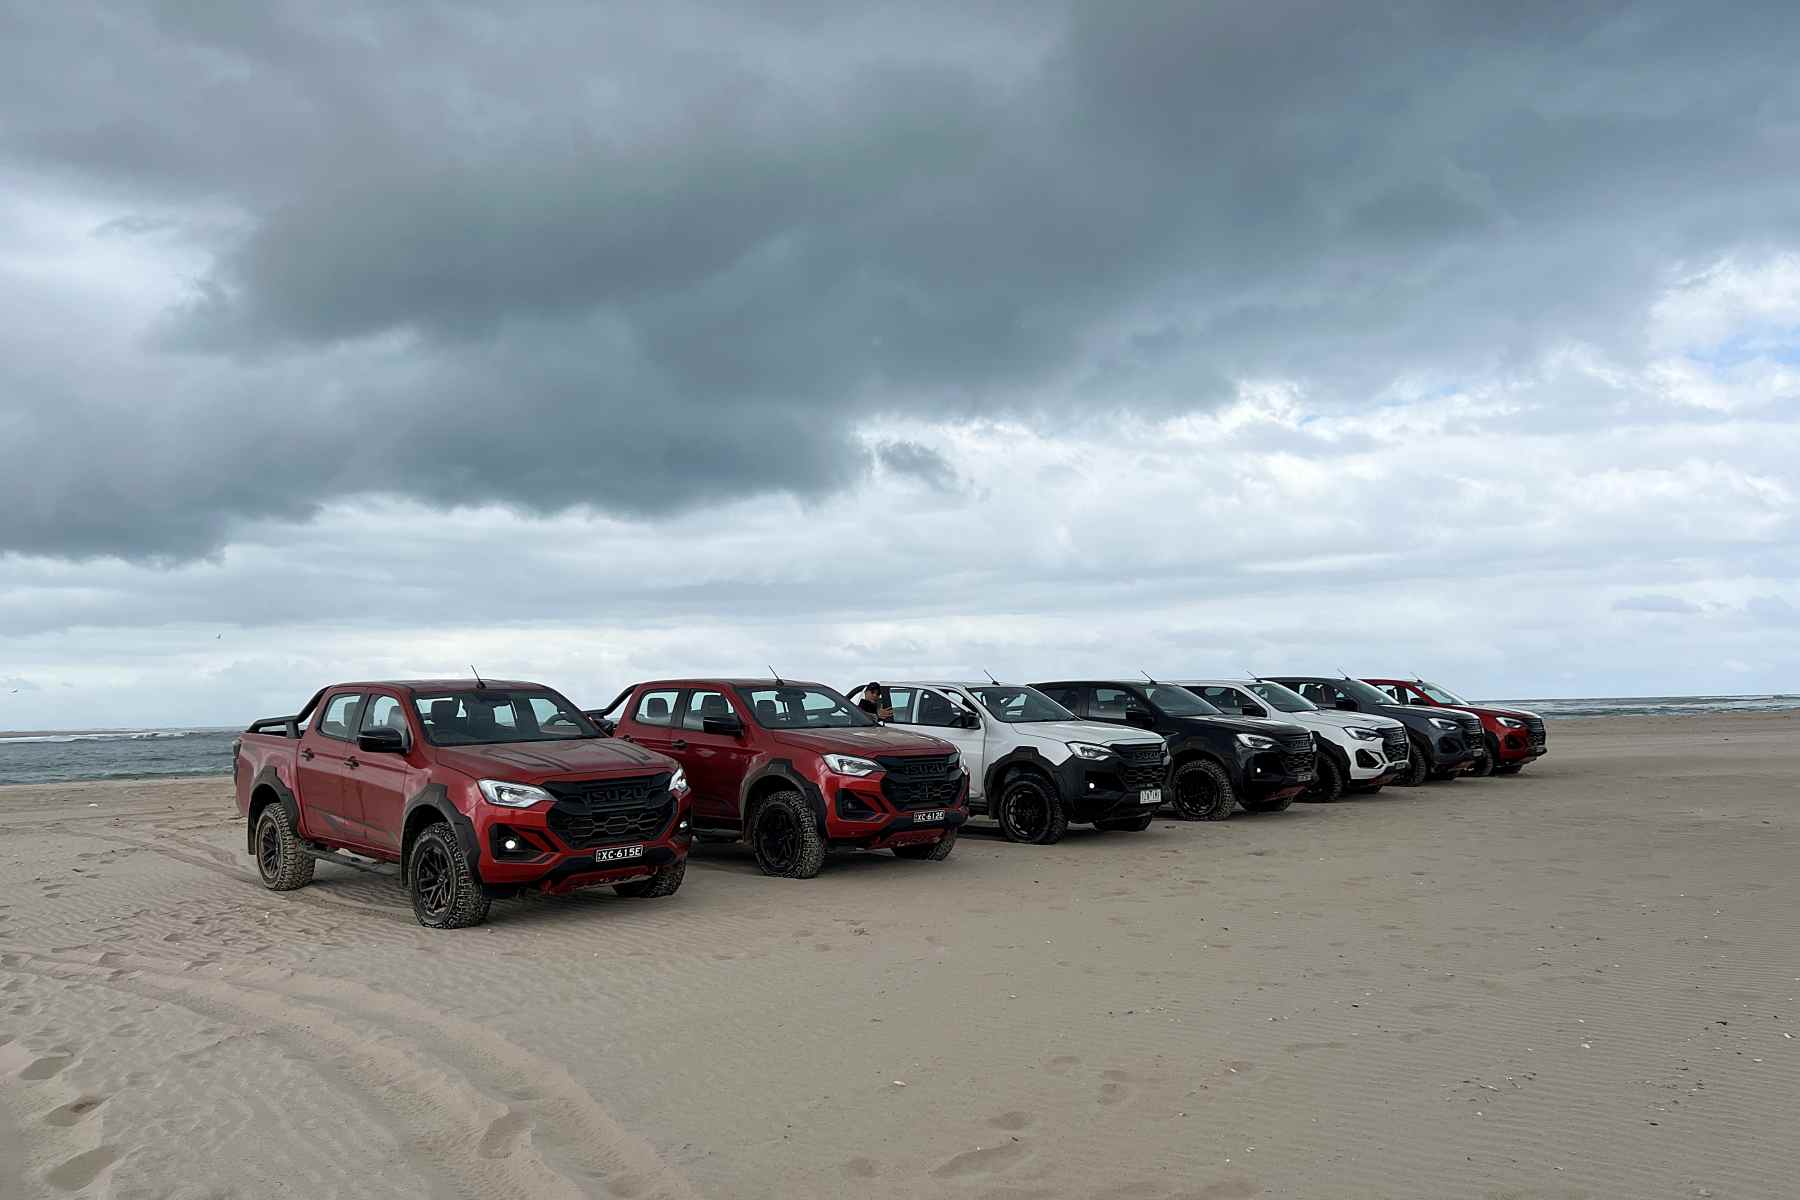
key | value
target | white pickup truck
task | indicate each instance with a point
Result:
(1358, 752)
(1033, 765)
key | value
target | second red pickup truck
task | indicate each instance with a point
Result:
(795, 769)
(478, 789)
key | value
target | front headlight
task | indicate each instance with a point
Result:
(1443, 724)
(849, 764)
(1511, 722)
(955, 760)
(512, 795)
(678, 782)
(1363, 732)
(1089, 750)
(1257, 741)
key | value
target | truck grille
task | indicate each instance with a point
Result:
(1534, 727)
(930, 781)
(1146, 765)
(1136, 779)
(601, 811)
(1395, 746)
(1297, 754)
(1471, 731)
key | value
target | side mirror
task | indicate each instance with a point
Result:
(728, 726)
(381, 740)
(1348, 705)
(1252, 710)
(1140, 718)
(966, 720)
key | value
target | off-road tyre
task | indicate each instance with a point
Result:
(1329, 785)
(1202, 791)
(784, 837)
(444, 892)
(936, 851)
(281, 860)
(665, 882)
(1509, 768)
(1485, 767)
(1030, 811)
(1268, 806)
(1126, 824)
(1418, 766)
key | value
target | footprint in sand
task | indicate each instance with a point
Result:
(1062, 1064)
(861, 1168)
(47, 1067)
(81, 1170)
(1011, 1121)
(73, 1112)
(504, 1134)
(1116, 1087)
(1228, 1189)
(983, 1160)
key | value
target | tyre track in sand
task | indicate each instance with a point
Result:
(476, 1111)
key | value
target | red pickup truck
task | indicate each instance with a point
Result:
(478, 789)
(796, 769)
(1514, 737)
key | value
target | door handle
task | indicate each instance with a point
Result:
(678, 744)
(351, 762)
(307, 754)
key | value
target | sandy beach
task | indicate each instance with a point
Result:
(1579, 982)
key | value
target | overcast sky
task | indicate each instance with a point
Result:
(589, 342)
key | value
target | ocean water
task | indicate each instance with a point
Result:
(148, 753)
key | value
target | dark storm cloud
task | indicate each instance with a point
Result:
(644, 257)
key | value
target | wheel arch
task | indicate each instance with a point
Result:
(780, 775)
(1020, 760)
(266, 789)
(431, 805)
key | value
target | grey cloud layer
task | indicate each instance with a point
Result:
(642, 257)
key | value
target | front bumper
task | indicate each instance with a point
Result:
(859, 814)
(1109, 789)
(1519, 745)
(1274, 774)
(542, 860)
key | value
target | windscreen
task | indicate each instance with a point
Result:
(1282, 699)
(1362, 692)
(496, 716)
(802, 707)
(1179, 702)
(1017, 705)
(1441, 695)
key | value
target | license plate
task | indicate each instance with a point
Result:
(1150, 796)
(618, 853)
(930, 816)
(1306, 776)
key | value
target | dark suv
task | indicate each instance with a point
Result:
(1217, 762)
(795, 769)
(1445, 742)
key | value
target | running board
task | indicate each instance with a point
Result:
(344, 860)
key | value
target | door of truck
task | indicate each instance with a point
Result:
(715, 762)
(329, 806)
(381, 778)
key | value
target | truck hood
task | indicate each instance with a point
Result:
(1063, 732)
(533, 762)
(1350, 720)
(1494, 710)
(1266, 726)
(864, 741)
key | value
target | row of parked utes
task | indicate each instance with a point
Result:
(481, 789)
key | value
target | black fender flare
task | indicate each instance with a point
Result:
(1028, 758)
(1334, 752)
(436, 797)
(784, 770)
(1193, 751)
(268, 778)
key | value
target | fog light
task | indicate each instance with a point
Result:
(511, 843)
(683, 824)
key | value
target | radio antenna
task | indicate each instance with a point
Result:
(990, 676)
(779, 681)
(477, 674)
(1146, 675)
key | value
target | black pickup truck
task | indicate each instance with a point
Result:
(1217, 762)
(1446, 742)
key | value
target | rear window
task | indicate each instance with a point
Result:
(500, 715)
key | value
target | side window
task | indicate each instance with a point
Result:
(936, 709)
(1394, 692)
(1323, 695)
(1111, 704)
(901, 701)
(703, 703)
(339, 712)
(385, 712)
(656, 708)
(1223, 697)
(1070, 698)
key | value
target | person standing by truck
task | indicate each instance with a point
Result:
(875, 704)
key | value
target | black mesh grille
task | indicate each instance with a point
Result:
(1534, 726)
(1471, 730)
(1145, 754)
(1297, 754)
(1136, 779)
(929, 781)
(603, 811)
(1394, 745)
